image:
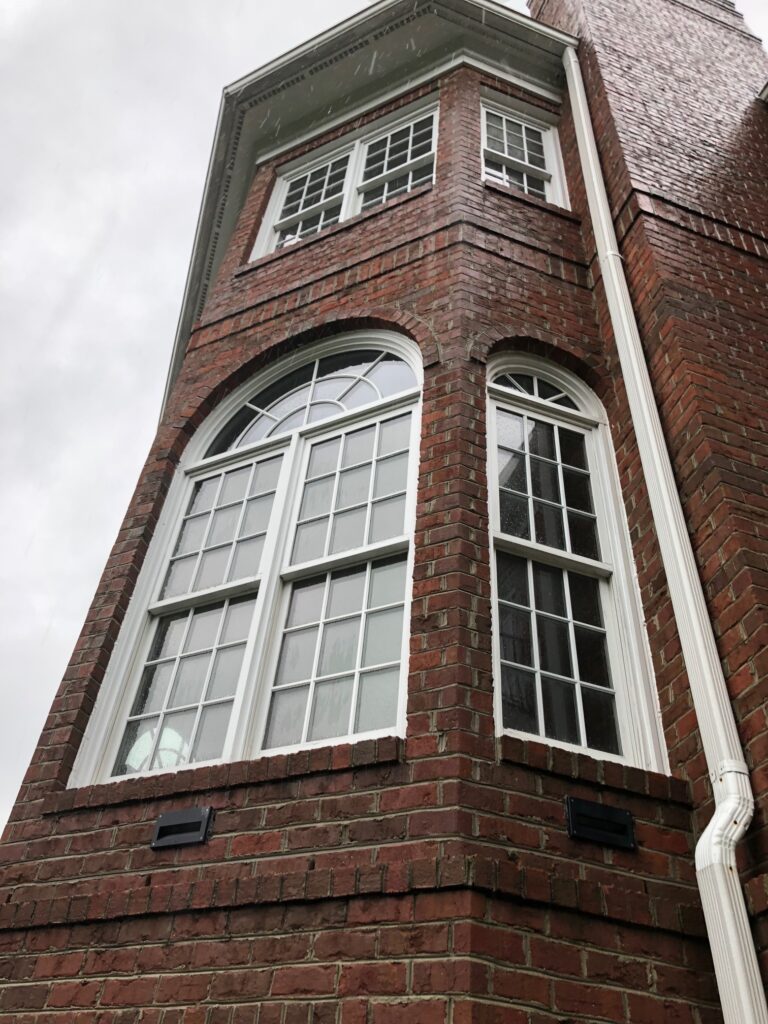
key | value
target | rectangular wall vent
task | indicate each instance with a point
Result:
(182, 828)
(598, 823)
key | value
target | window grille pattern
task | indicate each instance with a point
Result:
(398, 162)
(514, 154)
(354, 490)
(313, 202)
(184, 702)
(222, 534)
(545, 493)
(339, 666)
(555, 678)
(530, 384)
(314, 392)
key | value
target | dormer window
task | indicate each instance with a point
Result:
(367, 169)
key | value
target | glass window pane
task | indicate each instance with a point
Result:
(306, 602)
(191, 535)
(395, 435)
(360, 394)
(592, 656)
(153, 688)
(247, 559)
(391, 475)
(354, 486)
(512, 575)
(168, 636)
(173, 745)
(317, 497)
(213, 565)
(136, 747)
(235, 483)
(331, 709)
(600, 720)
(383, 636)
(286, 717)
(339, 648)
(386, 519)
(585, 599)
(238, 621)
(322, 411)
(323, 458)
(377, 700)
(583, 535)
(223, 525)
(518, 700)
(544, 480)
(510, 430)
(391, 376)
(348, 530)
(358, 446)
(515, 635)
(179, 577)
(211, 733)
(226, 672)
(387, 583)
(548, 588)
(346, 594)
(190, 678)
(560, 716)
(514, 515)
(541, 439)
(310, 541)
(548, 520)
(577, 490)
(266, 475)
(204, 494)
(554, 646)
(203, 629)
(572, 450)
(256, 518)
(296, 656)
(512, 471)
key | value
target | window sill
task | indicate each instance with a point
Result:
(318, 760)
(542, 204)
(304, 243)
(584, 768)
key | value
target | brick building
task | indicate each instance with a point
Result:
(456, 510)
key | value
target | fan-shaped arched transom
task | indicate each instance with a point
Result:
(531, 384)
(313, 392)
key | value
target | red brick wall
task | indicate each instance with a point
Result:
(429, 879)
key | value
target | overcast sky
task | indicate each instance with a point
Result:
(107, 113)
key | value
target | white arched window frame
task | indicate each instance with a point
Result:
(628, 653)
(368, 569)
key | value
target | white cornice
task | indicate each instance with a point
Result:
(308, 89)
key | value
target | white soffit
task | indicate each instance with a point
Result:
(381, 50)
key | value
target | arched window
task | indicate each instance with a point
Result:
(272, 603)
(571, 659)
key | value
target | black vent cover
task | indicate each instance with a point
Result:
(182, 828)
(597, 823)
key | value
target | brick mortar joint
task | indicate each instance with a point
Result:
(490, 875)
(281, 767)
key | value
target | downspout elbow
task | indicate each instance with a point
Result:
(734, 807)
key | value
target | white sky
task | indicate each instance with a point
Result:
(107, 113)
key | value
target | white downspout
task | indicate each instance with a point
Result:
(733, 951)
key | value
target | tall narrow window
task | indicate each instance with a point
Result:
(276, 597)
(567, 666)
